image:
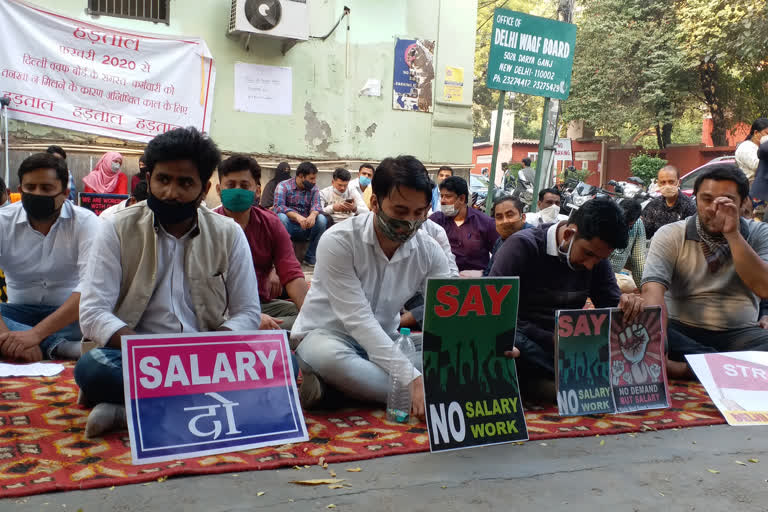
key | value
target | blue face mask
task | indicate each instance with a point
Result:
(365, 181)
(237, 199)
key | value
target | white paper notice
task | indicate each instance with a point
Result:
(372, 87)
(30, 370)
(263, 89)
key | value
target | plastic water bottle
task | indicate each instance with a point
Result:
(399, 397)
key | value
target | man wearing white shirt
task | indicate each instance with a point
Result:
(367, 268)
(338, 200)
(361, 183)
(44, 250)
(164, 266)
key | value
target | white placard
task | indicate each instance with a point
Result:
(30, 370)
(68, 73)
(263, 89)
(563, 150)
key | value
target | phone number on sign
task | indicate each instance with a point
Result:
(537, 84)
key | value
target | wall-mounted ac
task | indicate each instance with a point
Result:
(283, 19)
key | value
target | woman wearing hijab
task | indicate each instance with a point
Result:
(282, 173)
(106, 177)
(746, 153)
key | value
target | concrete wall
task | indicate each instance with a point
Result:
(330, 120)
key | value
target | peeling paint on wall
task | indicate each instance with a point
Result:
(371, 130)
(317, 133)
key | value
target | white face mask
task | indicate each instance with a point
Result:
(115, 166)
(763, 139)
(668, 190)
(449, 210)
(549, 215)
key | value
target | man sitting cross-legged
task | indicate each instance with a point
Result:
(44, 250)
(710, 271)
(272, 254)
(164, 266)
(367, 268)
(560, 266)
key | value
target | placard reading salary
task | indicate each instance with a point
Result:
(207, 393)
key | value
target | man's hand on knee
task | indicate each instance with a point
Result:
(16, 343)
(763, 322)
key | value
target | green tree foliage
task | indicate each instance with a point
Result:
(646, 167)
(628, 74)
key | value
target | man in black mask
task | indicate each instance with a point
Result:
(44, 248)
(164, 266)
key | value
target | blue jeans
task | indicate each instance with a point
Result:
(99, 374)
(23, 317)
(341, 362)
(302, 235)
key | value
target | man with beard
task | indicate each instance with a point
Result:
(297, 204)
(162, 266)
(561, 265)
(44, 252)
(367, 268)
(712, 269)
(672, 206)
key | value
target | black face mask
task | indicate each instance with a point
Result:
(38, 207)
(172, 212)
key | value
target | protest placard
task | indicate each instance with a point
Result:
(472, 390)
(194, 394)
(605, 364)
(97, 203)
(737, 382)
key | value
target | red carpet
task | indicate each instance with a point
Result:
(42, 447)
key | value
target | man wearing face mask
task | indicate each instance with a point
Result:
(710, 272)
(547, 208)
(442, 173)
(671, 207)
(471, 232)
(164, 266)
(508, 212)
(297, 204)
(367, 268)
(361, 184)
(44, 252)
(272, 253)
(561, 265)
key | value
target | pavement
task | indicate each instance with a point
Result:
(717, 468)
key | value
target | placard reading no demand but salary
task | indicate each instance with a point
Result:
(196, 394)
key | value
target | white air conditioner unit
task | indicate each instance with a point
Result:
(283, 19)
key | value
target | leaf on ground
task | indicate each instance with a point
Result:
(297, 468)
(713, 471)
(602, 442)
(333, 473)
(260, 493)
(336, 486)
(740, 463)
(754, 461)
(325, 465)
(162, 479)
(354, 470)
(306, 467)
(331, 506)
(321, 461)
(318, 481)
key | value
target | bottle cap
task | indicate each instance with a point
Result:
(405, 331)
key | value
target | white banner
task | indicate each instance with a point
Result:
(563, 150)
(68, 73)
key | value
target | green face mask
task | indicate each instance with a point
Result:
(237, 199)
(395, 229)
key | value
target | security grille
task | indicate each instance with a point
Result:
(147, 10)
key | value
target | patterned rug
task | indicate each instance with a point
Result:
(42, 447)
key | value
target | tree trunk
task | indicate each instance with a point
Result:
(666, 134)
(659, 140)
(710, 86)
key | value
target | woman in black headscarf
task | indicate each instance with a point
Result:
(282, 173)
